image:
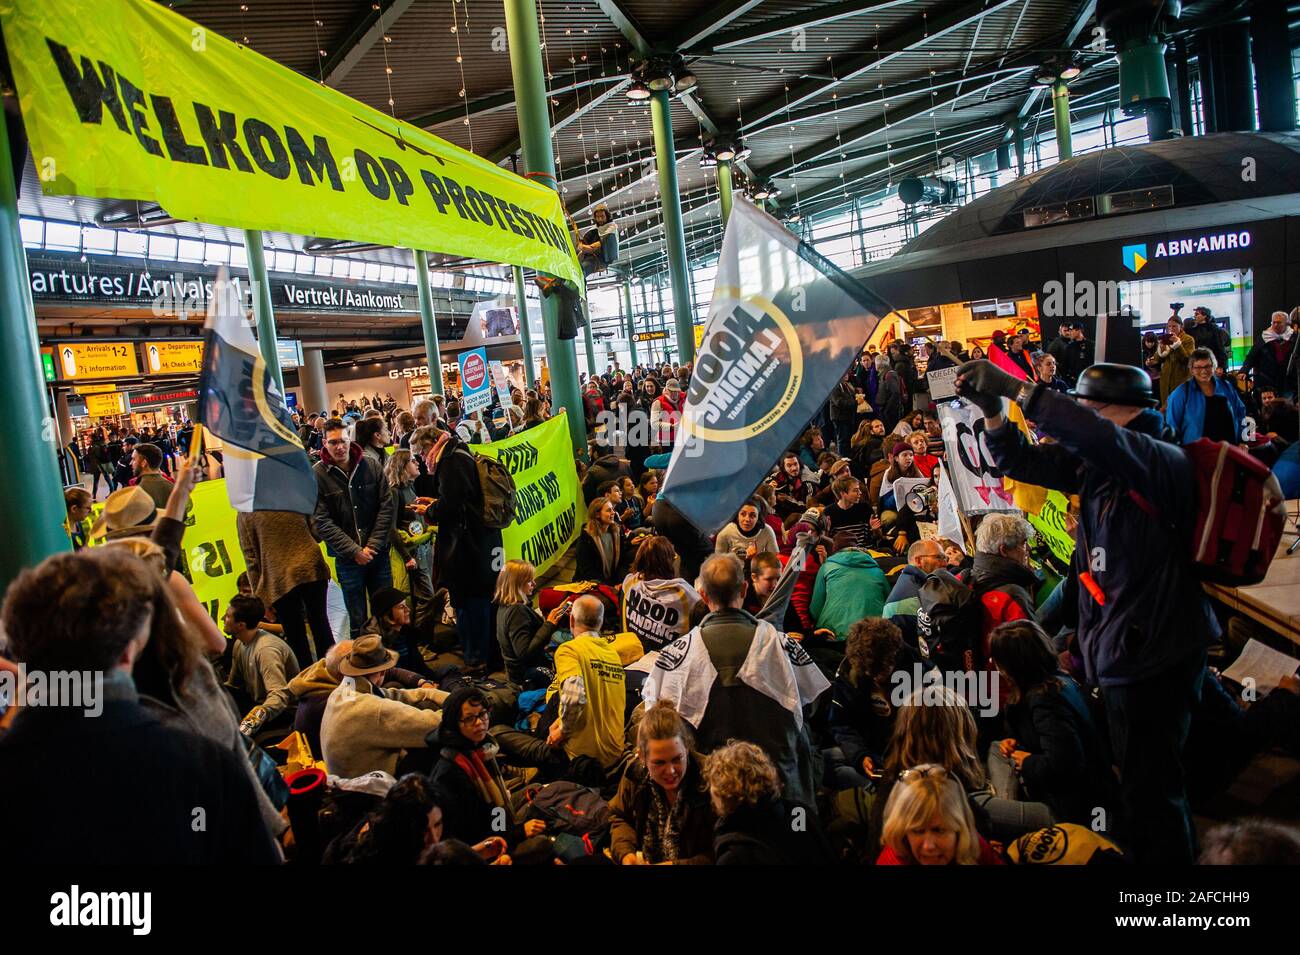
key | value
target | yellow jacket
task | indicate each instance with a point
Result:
(591, 682)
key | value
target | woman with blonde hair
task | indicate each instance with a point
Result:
(600, 546)
(522, 633)
(935, 725)
(662, 814)
(412, 539)
(928, 821)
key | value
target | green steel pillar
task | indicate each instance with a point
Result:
(674, 237)
(262, 310)
(631, 325)
(535, 137)
(1019, 135)
(724, 189)
(31, 522)
(591, 349)
(1061, 112)
(525, 333)
(432, 353)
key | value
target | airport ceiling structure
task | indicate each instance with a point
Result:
(833, 100)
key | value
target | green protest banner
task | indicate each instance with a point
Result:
(547, 493)
(1050, 523)
(127, 99)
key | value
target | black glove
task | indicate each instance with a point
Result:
(984, 385)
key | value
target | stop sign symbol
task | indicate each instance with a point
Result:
(475, 373)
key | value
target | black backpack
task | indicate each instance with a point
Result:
(950, 620)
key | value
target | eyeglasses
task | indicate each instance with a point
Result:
(484, 717)
(911, 775)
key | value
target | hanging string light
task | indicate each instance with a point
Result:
(551, 100)
(460, 63)
(794, 175)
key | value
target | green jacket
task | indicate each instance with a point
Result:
(849, 586)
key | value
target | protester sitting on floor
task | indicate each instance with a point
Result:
(746, 535)
(1001, 573)
(850, 586)
(793, 493)
(1278, 417)
(1054, 746)
(309, 691)
(657, 603)
(365, 729)
(588, 697)
(768, 706)
(630, 513)
(477, 804)
(522, 633)
(928, 821)
(925, 462)
(93, 614)
(405, 824)
(261, 663)
(600, 546)
(902, 464)
(862, 712)
(923, 559)
(764, 572)
(662, 814)
(392, 622)
(1251, 842)
(834, 469)
(756, 825)
(935, 725)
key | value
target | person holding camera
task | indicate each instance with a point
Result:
(1175, 353)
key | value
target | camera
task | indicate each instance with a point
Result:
(1175, 307)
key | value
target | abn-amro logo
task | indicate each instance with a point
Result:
(1135, 256)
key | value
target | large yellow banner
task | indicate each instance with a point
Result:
(126, 99)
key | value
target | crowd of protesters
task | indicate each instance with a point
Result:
(765, 695)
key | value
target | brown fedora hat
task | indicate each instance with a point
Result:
(127, 507)
(368, 656)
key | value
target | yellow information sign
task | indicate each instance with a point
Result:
(93, 389)
(106, 405)
(79, 361)
(171, 358)
(130, 100)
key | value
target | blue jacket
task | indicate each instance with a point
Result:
(1156, 615)
(904, 600)
(1185, 412)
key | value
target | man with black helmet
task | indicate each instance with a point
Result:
(1144, 621)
